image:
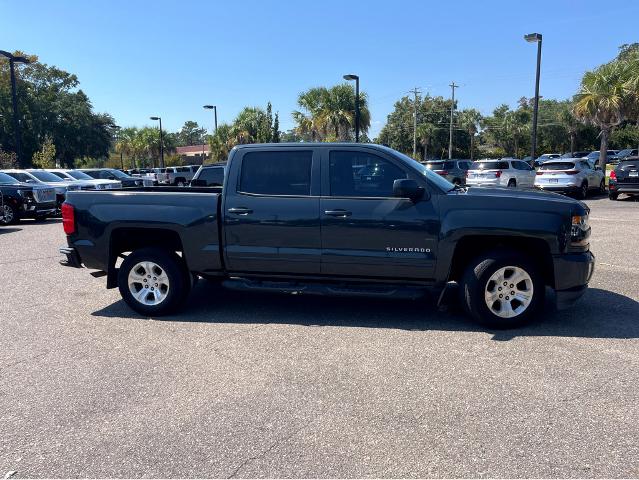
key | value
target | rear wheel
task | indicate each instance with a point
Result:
(502, 289)
(583, 190)
(457, 181)
(613, 195)
(602, 187)
(512, 183)
(153, 281)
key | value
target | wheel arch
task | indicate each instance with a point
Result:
(470, 247)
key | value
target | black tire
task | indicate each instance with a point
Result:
(476, 280)
(512, 183)
(457, 181)
(613, 196)
(602, 187)
(583, 191)
(179, 281)
(10, 217)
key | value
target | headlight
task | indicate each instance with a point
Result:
(580, 229)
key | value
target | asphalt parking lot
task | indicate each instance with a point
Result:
(254, 385)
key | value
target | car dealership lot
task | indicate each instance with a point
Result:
(250, 385)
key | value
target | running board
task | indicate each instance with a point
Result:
(338, 290)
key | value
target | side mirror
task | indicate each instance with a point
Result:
(407, 188)
(196, 182)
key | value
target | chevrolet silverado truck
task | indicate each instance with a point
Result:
(335, 219)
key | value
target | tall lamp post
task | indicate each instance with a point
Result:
(16, 123)
(532, 38)
(214, 108)
(356, 78)
(117, 137)
(161, 141)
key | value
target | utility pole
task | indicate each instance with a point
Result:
(453, 86)
(415, 91)
(14, 99)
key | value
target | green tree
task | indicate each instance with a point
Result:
(425, 132)
(469, 120)
(52, 106)
(602, 99)
(45, 157)
(328, 114)
(190, 134)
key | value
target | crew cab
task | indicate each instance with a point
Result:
(299, 218)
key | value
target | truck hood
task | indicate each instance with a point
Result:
(532, 198)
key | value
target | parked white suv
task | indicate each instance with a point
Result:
(87, 182)
(507, 172)
(570, 176)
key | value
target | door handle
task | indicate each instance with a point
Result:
(240, 210)
(338, 213)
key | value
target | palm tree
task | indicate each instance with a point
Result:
(631, 85)
(469, 121)
(425, 133)
(329, 114)
(569, 122)
(602, 100)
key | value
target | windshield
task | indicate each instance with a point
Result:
(45, 176)
(118, 174)
(625, 152)
(593, 154)
(79, 175)
(495, 165)
(557, 166)
(7, 179)
(438, 180)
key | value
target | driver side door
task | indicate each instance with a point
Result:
(365, 230)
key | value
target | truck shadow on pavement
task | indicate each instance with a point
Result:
(599, 314)
(9, 230)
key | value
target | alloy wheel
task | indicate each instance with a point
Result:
(509, 292)
(148, 283)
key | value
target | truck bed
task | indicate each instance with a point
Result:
(109, 217)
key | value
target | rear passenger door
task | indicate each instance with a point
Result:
(525, 173)
(271, 212)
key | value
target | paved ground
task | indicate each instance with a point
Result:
(256, 385)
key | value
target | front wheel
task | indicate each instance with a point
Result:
(502, 290)
(512, 183)
(153, 281)
(10, 215)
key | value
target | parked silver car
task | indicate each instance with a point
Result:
(85, 181)
(506, 172)
(571, 176)
(452, 170)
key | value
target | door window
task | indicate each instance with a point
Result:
(276, 173)
(360, 174)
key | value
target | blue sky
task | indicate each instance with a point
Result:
(140, 58)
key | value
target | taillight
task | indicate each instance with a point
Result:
(68, 218)
(540, 173)
(498, 174)
(613, 175)
(442, 172)
(571, 172)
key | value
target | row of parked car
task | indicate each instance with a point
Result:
(612, 156)
(38, 193)
(175, 176)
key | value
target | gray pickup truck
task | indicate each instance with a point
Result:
(335, 219)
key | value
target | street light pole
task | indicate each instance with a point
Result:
(14, 98)
(214, 107)
(117, 129)
(453, 86)
(531, 38)
(356, 78)
(161, 142)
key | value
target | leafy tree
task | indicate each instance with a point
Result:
(51, 105)
(45, 158)
(469, 120)
(328, 114)
(601, 100)
(190, 134)
(425, 132)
